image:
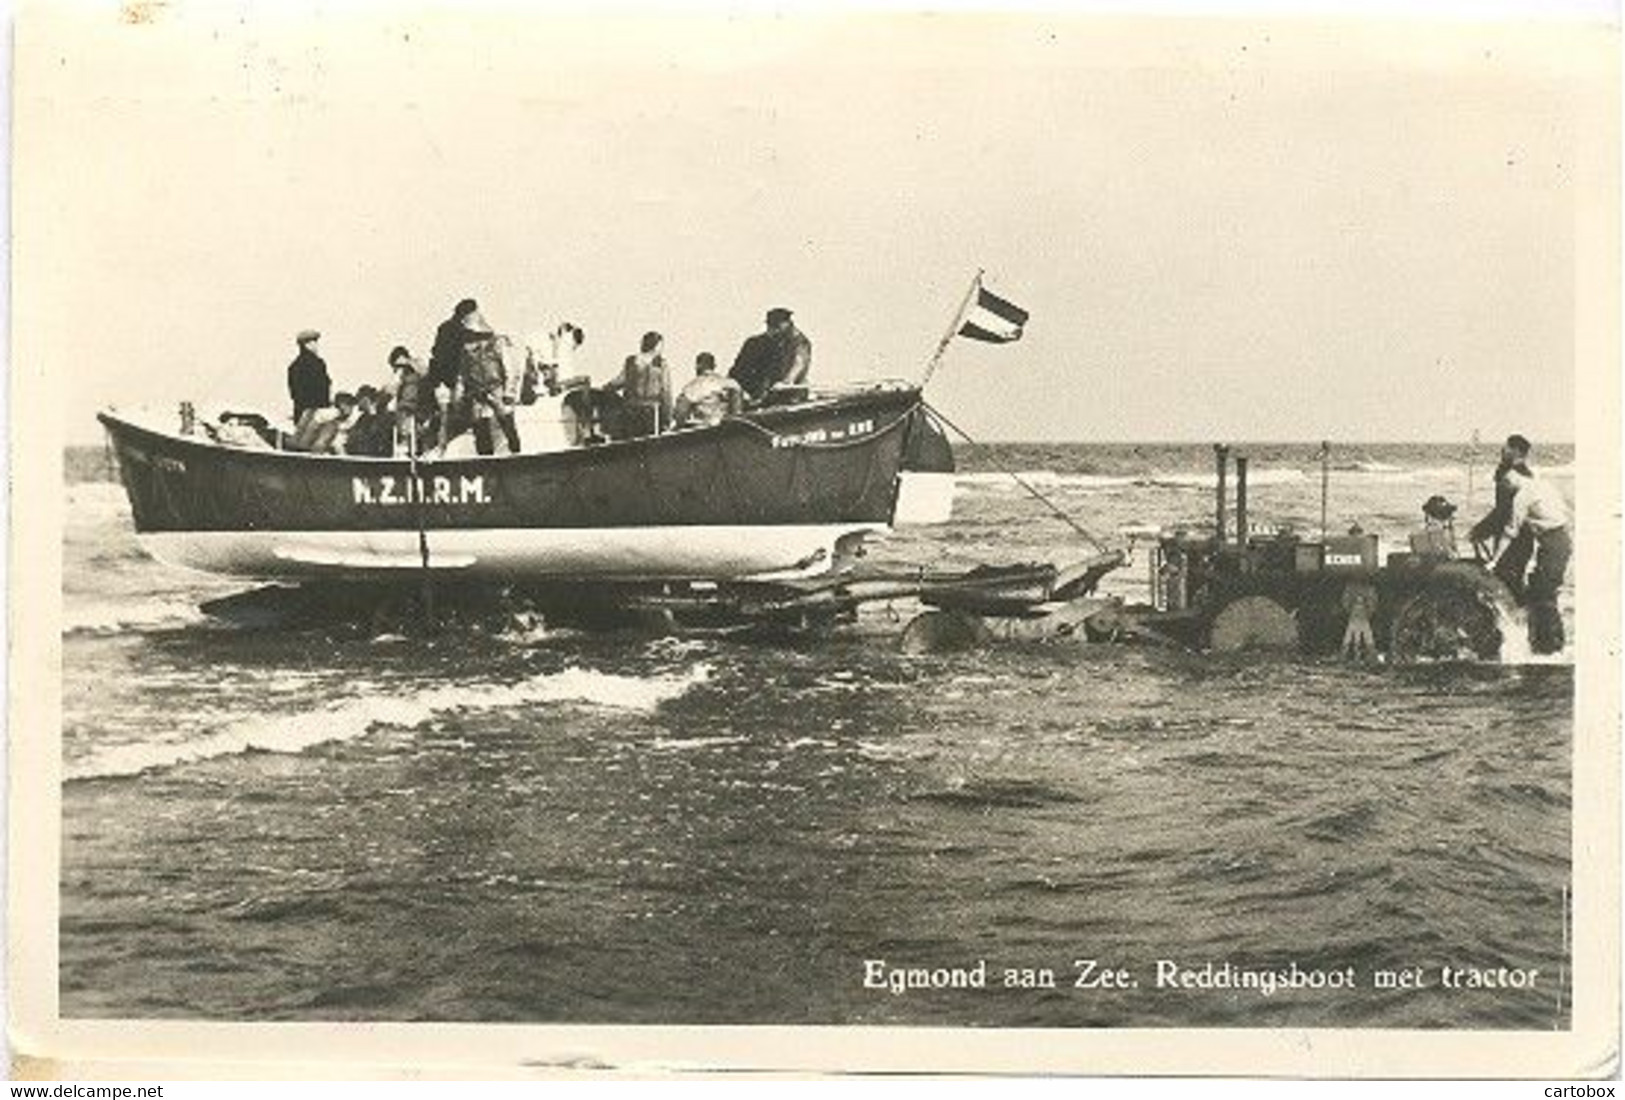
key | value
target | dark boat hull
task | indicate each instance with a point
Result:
(782, 490)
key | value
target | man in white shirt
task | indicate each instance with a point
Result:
(1538, 507)
(708, 397)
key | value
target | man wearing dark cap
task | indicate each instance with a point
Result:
(445, 361)
(1487, 533)
(1437, 538)
(780, 356)
(1540, 514)
(308, 383)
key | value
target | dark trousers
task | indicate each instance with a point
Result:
(485, 439)
(1553, 549)
(1514, 563)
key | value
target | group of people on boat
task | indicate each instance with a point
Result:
(481, 384)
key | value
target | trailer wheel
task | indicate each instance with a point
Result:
(1252, 622)
(1452, 619)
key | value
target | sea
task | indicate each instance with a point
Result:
(550, 826)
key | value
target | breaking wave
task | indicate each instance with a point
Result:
(355, 717)
(1052, 480)
(998, 482)
(1210, 480)
(139, 614)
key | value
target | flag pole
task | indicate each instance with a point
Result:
(953, 329)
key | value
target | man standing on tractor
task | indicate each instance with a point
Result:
(1512, 557)
(1540, 515)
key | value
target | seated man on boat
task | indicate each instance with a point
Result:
(322, 431)
(779, 356)
(708, 397)
(249, 430)
(644, 384)
(373, 433)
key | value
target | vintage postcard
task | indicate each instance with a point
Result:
(798, 542)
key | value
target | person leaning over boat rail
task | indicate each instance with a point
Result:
(779, 356)
(308, 383)
(645, 384)
(708, 397)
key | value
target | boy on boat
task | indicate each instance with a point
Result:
(308, 383)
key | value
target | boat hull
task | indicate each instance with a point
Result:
(629, 553)
(784, 491)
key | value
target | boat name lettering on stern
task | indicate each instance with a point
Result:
(387, 490)
(825, 435)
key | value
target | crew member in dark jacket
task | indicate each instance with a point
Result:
(445, 369)
(1488, 532)
(308, 383)
(782, 355)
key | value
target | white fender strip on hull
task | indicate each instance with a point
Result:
(619, 552)
(924, 497)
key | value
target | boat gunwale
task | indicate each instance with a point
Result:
(909, 396)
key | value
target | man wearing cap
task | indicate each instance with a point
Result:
(373, 431)
(1437, 538)
(445, 364)
(408, 396)
(780, 356)
(308, 383)
(1540, 514)
(1512, 561)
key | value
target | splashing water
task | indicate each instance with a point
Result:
(347, 719)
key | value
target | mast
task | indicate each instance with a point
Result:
(953, 328)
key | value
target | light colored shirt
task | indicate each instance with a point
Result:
(1537, 502)
(234, 433)
(707, 398)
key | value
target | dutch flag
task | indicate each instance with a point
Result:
(992, 319)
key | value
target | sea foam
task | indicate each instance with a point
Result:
(351, 718)
(115, 616)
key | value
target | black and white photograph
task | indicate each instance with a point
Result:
(813, 542)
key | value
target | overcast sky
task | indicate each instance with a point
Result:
(1224, 230)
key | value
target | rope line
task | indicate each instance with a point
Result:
(1019, 480)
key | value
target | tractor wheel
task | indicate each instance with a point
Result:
(1252, 622)
(1453, 618)
(943, 632)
